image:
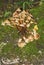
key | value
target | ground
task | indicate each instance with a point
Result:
(33, 51)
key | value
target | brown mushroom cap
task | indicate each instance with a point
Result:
(12, 19)
(28, 25)
(16, 16)
(27, 21)
(14, 13)
(21, 44)
(30, 15)
(6, 22)
(29, 18)
(23, 12)
(37, 36)
(19, 10)
(31, 22)
(31, 38)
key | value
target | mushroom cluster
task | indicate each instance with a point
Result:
(23, 20)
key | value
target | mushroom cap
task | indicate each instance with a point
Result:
(19, 40)
(28, 25)
(12, 19)
(26, 40)
(7, 22)
(35, 27)
(30, 15)
(19, 10)
(36, 37)
(14, 13)
(21, 19)
(29, 18)
(16, 22)
(21, 44)
(23, 12)
(3, 23)
(16, 16)
(31, 38)
(27, 21)
(22, 25)
(31, 22)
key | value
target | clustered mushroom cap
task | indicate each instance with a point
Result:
(23, 20)
(19, 10)
(35, 27)
(21, 44)
(37, 36)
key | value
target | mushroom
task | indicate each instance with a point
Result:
(29, 18)
(14, 14)
(18, 10)
(25, 39)
(30, 15)
(31, 38)
(23, 15)
(36, 35)
(19, 40)
(27, 21)
(31, 22)
(24, 12)
(12, 19)
(6, 22)
(22, 20)
(21, 44)
(3, 23)
(28, 25)
(35, 27)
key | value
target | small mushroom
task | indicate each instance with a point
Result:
(35, 27)
(21, 44)
(23, 12)
(27, 21)
(29, 18)
(36, 37)
(26, 40)
(6, 22)
(18, 10)
(14, 14)
(19, 40)
(31, 22)
(20, 21)
(3, 23)
(28, 25)
(31, 38)
(16, 21)
(30, 15)
(23, 15)
(12, 19)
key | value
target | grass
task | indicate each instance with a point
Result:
(31, 48)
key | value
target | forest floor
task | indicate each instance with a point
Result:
(33, 52)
